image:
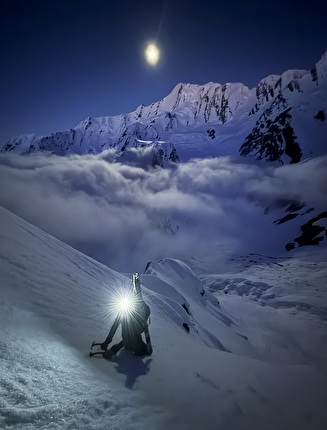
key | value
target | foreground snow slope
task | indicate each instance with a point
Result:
(241, 365)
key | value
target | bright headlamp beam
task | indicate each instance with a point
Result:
(125, 304)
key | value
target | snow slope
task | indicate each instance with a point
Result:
(253, 358)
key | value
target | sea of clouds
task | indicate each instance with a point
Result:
(126, 215)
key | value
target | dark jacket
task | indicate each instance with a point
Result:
(132, 324)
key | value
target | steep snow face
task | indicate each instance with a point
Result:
(220, 119)
(289, 127)
(241, 345)
(210, 103)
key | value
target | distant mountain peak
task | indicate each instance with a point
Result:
(208, 120)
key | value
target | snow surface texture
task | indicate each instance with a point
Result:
(240, 345)
(239, 338)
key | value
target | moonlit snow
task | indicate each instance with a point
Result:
(254, 356)
(183, 192)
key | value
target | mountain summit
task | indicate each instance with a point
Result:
(282, 119)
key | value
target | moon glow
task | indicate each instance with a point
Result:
(152, 54)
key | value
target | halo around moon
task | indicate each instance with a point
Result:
(152, 54)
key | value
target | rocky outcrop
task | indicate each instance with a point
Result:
(273, 137)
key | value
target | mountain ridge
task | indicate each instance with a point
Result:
(207, 111)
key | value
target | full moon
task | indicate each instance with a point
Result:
(152, 54)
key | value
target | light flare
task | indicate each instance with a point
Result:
(123, 303)
(152, 54)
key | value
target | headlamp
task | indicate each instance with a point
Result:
(125, 304)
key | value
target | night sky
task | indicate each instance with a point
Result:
(62, 61)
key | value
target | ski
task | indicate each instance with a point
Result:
(148, 339)
(137, 289)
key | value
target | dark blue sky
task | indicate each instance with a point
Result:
(62, 61)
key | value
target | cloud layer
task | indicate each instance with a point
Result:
(124, 215)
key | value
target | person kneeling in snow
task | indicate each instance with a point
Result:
(133, 321)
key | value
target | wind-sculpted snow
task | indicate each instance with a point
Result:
(219, 360)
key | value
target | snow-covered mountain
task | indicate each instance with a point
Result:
(282, 119)
(108, 201)
(239, 341)
(238, 322)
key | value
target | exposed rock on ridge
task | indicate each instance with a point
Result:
(265, 122)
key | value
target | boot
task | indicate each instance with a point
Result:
(108, 354)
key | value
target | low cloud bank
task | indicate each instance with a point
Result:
(124, 215)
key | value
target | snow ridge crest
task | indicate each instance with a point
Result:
(189, 108)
